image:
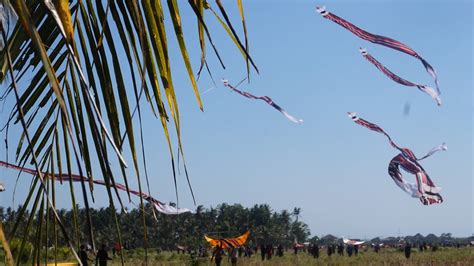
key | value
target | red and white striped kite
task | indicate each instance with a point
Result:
(159, 206)
(266, 99)
(424, 189)
(391, 43)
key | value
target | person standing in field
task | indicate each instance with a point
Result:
(262, 251)
(83, 256)
(102, 256)
(315, 251)
(407, 250)
(280, 250)
(233, 256)
(217, 255)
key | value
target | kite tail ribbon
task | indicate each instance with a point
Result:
(428, 90)
(266, 99)
(381, 40)
(372, 127)
(441, 147)
(159, 206)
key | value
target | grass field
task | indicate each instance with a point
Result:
(444, 256)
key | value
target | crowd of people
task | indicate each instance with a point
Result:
(266, 251)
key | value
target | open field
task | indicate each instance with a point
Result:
(444, 256)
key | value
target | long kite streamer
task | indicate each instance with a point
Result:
(265, 99)
(225, 243)
(388, 42)
(426, 89)
(159, 206)
(424, 189)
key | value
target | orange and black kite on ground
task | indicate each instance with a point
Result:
(228, 242)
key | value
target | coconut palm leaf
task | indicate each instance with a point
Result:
(60, 59)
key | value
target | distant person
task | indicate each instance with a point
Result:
(280, 250)
(83, 256)
(233, 256)
(295, 249)
(117, 249)
(349, 250)
(377, 248)
(262, 251)
(340, 249)
(407, 250)
(248, 252)
(240, 251)
(315, 251)
(356, 249)
(102, 256)
(329, 250)
(217, 255)
(269, 250)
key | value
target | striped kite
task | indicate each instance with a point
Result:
(265, 99)
(226, 243)
(159, 206)
(391, 43)
(424, 189)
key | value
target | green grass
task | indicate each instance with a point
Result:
(444, 256)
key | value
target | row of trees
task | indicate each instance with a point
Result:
(167, 231)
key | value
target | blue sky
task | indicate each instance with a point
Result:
(243, 151)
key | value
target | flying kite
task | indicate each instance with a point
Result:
(424, 189)
(391, 43)
(352, 242)
(228, 242)
(2, 187)
(426, 89)
(265, 99)
(159, 206)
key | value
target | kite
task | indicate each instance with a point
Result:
(391, 43)
(296, 244)
(228, 242)
(424, 189)
(426, 89)
(265, 99)
(352, 242)
(158, 205)
(2, 187)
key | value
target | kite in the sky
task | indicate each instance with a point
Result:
(426, 89)
(424, 189)
(159, 206)
(265, 99)
(2, 187)
(352, 242)
(391, 43)
(226, 243)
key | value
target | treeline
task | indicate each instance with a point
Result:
(445, 239)
(164, 232)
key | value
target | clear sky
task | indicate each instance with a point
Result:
(243, 151)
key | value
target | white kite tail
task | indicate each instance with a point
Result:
(436, 149)
(410, 188)
(292, 118)
(169, 210)
(431, 92)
